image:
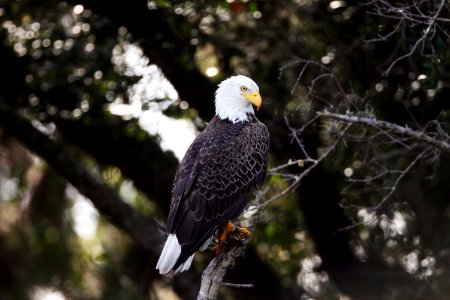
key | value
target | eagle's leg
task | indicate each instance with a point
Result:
(230, 232)
(222, 236)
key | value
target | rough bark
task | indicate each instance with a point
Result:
(213, 275)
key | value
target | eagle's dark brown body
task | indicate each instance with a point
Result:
(215, 180)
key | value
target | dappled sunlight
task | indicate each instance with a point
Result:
(176, 135)
(366, 216)
(152, 88)
(9, 188)
(212, 71)
(9, 216)
(165, 292)
(45, 293)
(312, 280)
(395, 226)
(411, 262)
(84, 214)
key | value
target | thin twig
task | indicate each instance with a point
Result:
(374, 177)
(238, 285)
(299, 77)
(321, 66)
(386, 199)
(411, 52)
(299, 177)
(298, 162)
(386, 36)
(296, 132)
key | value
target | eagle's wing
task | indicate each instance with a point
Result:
(214, 181)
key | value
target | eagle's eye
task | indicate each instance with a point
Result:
(244, 89)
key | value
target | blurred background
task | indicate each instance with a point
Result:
(100, 99)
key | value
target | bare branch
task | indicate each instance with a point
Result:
(299, 77)
(238, 285)
(411, 52)
(401, 130)
(406, 14)
(298, 178)
(374, 177)
(213, 275)
(384, 202)
(298, 162)
(388, 35)
(306, 63)
(296, 132)
(380, 208)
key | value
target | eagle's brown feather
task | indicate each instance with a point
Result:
(215, 180)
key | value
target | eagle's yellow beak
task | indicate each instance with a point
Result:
(254, 98)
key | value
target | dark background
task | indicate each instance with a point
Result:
(370, 221)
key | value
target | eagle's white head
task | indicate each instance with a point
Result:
(234, 98)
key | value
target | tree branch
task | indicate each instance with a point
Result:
(405, 14)
(109, 142)
(63, 160)
(213, 275)
(401, 130)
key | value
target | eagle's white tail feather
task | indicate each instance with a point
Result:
(184, 266)
(206, 244)
(169, 255)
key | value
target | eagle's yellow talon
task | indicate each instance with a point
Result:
(244, 231)
(230, 233)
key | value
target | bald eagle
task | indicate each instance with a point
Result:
(217, 175)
